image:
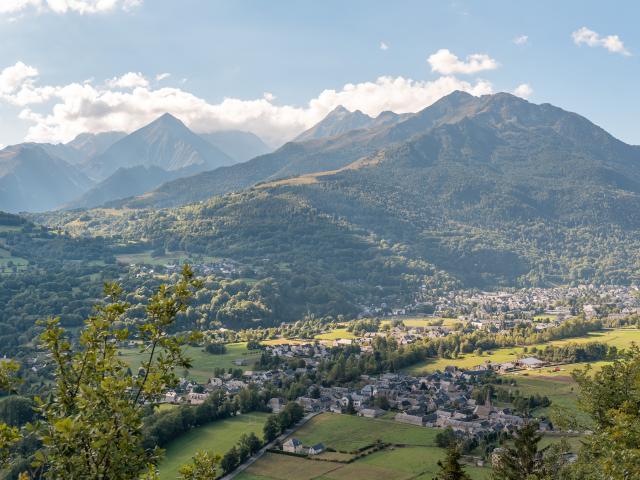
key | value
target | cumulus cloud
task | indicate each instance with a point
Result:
(447, 63)
(521, 40)
(612, 43)
(162, 76)
(384, 46)
(523, 90)
(128, 80)
(60, 112)
(64, 6)
(11, 78)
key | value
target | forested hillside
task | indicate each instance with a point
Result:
(496, 191)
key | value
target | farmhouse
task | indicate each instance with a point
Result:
(197, 398)
(530, 363)
(371, 412)
(410, 419)
(316, 449)
(293, 445)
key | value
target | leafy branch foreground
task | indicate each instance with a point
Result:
(91, 424)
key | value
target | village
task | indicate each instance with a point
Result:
(441, 399)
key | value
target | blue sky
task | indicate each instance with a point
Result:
(272, 61)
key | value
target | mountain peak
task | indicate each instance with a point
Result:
(168, 120)
(338, 121)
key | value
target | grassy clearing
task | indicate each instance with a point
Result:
(422, 321)
(171, 257)
(203, 363)
(217, 437)
(336, 334)
(343, 432)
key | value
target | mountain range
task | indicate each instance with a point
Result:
(108, 166)
(472, 191)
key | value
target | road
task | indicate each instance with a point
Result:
(251, 460)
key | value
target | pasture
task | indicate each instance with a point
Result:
(416, 321)
(216, 437)
(619, 337)
(203, 363)
(416, 458)
(336, 334)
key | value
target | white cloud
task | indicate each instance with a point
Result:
(64, 6)
(521, 40)
(523, 90)
(128, 80)
(162, 76)
(613, 43)
(447, 63)
(11, 78)
(384, 46)
(59, 113)
(13, 6)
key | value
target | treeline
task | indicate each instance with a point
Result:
(276, 424)
(577, 352)
(166, 425)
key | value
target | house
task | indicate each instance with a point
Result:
(293, 445)
(410, 419)
(316, 449)
(371, 412)
(530, 363)
(276, 404)
(197, 398)
(171, 397)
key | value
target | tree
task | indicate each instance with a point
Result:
(92, 425)
(251, 442)
(203, 466)
(9, 435)
(271, 428)
(230, 460)
(451, 469)
(525, 461)
(611, 397)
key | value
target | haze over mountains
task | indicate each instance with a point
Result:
(108, 166)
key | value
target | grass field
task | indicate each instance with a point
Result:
(621, 338)
(336, 334)
(417, 460)
(203, 363)
(422, 321)
(171, 257)
(217, 437)
(347, 433)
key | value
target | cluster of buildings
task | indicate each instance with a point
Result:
(225, 268)
(558, 302)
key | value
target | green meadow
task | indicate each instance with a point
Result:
(203, 363)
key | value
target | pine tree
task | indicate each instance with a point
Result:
(523, 460)
(451, 469)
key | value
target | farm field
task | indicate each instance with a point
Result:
(422, 321)
(203, 363)
(620, 337)
(217, 437)
(336, 334)
(417, 460)
(347, 432)
(6, 257)
(171, 257)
